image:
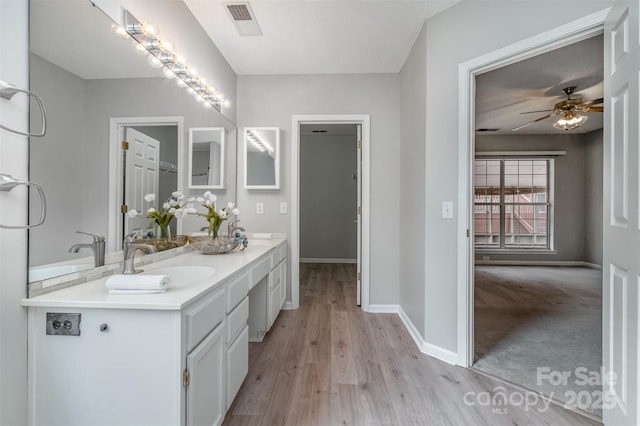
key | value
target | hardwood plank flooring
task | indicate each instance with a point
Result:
(330, 363)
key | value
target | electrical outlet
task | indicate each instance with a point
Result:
(259, 208)
(63, 324)
(283, 207)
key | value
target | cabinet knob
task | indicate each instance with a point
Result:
(104, 327)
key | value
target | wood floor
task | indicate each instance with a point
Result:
(329, 363)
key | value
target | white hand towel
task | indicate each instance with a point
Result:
(138, 282)
(262, 236)
(137, 291)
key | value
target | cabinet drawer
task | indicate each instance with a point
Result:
(260, 270)
(237, 289)
(203, 317)
(237, 320)
(275, 277)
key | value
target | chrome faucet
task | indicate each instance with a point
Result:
(231, 228)
(97, 247)
(130, 248)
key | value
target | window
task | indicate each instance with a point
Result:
(512, 204)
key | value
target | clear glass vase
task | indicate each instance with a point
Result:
(162, 232)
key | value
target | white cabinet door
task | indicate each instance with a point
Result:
(206, 389)
(274, 305)
(237, 364)
(283, 282)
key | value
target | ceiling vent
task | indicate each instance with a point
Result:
(243, 19)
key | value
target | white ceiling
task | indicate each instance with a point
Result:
(319, 37)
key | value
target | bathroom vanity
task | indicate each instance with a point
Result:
(174, 358)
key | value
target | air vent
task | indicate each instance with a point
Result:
(243, 19)
(239, 12)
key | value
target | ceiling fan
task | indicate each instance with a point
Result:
(569, 110)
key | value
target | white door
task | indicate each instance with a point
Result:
(621, 251)
(141, 177)
(206, 388)
(359, 215)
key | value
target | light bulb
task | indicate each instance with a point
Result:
(119, 31)
(168, 73)
(166, 46)
(153, 61)
(180, 83)
(148, 29)
(140, 49)
(207, 105)
(226, 103)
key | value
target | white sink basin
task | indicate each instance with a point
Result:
(46, 272)
(183, 274)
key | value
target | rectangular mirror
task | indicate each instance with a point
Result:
(97, 89)
(261, 157)
(206, 157)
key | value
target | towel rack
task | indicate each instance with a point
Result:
(7, 90)
(7, 183)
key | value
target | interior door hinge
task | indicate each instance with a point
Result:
(359, 276)
(125, 145)
(185, 378)
(359, 210)
(124, 208)
(468, 233)
(359, 144)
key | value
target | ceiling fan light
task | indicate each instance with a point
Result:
(570, 121)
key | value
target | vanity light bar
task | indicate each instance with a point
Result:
(259, 141)
(161, 54)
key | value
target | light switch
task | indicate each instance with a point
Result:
(283, 207)
(259, 208)
(447, 209)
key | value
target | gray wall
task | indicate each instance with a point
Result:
(569, 191)
(328, 197)
(593, 164)
(56, 162)
(261, 170)
(451, 38)
(412, 183)
(14, 61)
(272, 100)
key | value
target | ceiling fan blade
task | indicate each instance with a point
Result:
(531, 112)
(594, 109)
(593, 102)
(531, 122)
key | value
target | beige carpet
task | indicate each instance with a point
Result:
(541, 328)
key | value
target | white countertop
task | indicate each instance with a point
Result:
(93, 294)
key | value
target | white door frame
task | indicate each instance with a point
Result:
(564, 35)
(116, 135)
(297, 120)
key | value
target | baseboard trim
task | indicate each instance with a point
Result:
(325, 260)
(287, 306)
(383, 309)
(424, 347)
(537, 263)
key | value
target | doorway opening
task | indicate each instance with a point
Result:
(302, 125)
(329, 189)
(147, 163)
(469, 143)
